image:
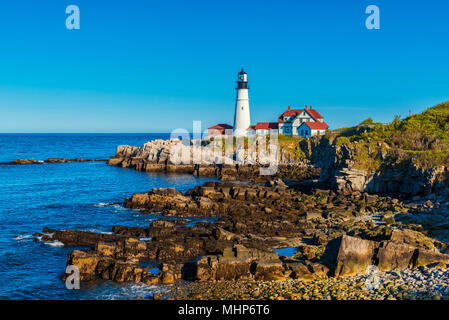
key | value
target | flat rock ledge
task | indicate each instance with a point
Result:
(49, 160)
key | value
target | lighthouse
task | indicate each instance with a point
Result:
(241, 116)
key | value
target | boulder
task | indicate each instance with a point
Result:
(300, 271)
(426, 257)
(348, 256)
(87, 263)
(236, 263)
(413, 238)
(393, 255)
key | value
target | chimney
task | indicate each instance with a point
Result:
(289, 108)
(306, 107)
(310, 107)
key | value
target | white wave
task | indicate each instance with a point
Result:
(132, 291)
(50, 235)
(23, 237)
(55, 243)
(103, 204)
(97, 231)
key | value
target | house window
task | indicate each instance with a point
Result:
(307, 132)
(302, 132)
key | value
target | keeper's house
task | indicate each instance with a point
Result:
(219, 130)
(302, 122)
(263, 128)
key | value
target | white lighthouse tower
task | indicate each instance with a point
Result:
(241, 116)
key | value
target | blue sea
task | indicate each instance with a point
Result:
(67, 196)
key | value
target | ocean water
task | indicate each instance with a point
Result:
(66, 196)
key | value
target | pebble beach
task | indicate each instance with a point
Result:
(417, 284)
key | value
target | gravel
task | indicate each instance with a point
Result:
(416, 284)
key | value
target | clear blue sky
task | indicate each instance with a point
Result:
(151, 66)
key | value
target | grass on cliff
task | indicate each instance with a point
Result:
(421, 138)
(290, 145)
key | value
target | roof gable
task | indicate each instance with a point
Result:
(315, 125)
(314, 114)
(295, 112)
(289, 113)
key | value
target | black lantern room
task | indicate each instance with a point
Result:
(242, 81)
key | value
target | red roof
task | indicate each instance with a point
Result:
(221, 126)
(289, 113)
(266, 125)
(294, 112)
(314, 113)
(251, 127)
(317, 125)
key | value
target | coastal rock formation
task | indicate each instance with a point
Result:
(408, 157)
(339, 166)
(334, 233)
(205, 158)
(22, 161)
(73, 238)
(236, 263)
(349, 256)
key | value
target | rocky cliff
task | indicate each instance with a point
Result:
(343, 168)
(209, 158)
(408, 157)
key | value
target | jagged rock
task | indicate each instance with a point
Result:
(87, 263)
(76, 238)
(413, 238)
(426, 257)
(300, 271)
(234, 246)
(392, 255)
(319, 270)
(24, 161)
(348, 256)
(236, 263)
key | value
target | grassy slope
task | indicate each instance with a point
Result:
(422, 138)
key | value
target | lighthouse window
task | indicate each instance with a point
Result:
(242, 108)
